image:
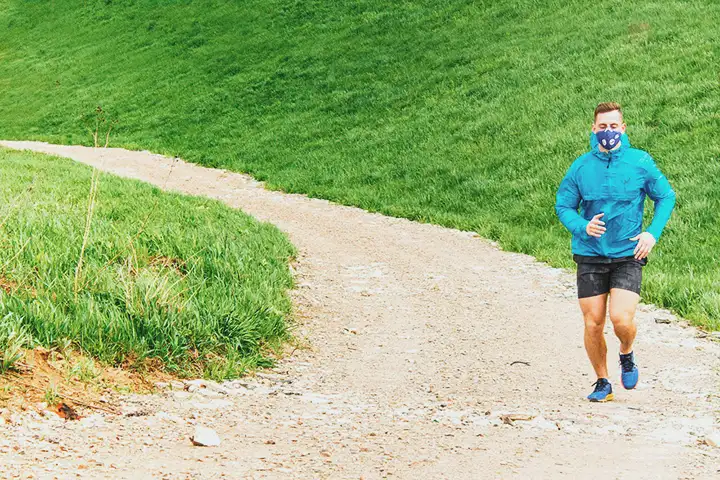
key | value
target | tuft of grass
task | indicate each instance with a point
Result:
(52, 395)
(167, 281)
(14, 339)
(461, 113)
(84, 370)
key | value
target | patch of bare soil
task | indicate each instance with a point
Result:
(50, 381)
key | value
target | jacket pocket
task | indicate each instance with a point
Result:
(629, 224)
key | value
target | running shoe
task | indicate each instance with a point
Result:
(630, 372)
(602, 392)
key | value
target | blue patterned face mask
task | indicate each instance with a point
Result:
(608, 139)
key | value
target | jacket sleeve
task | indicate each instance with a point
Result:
(567, 202)
(659, 190)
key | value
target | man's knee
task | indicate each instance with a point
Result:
(622, 319)
(623, 304)
(594, 322)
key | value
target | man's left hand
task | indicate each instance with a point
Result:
(646, 242)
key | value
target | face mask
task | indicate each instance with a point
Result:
(608, 139)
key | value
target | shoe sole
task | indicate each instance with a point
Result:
(609, 398)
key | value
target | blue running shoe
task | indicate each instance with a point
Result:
(630, 372)
(603, 391)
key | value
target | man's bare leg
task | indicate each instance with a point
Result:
(594, 310)
(622, 315)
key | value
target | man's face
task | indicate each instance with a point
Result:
(612, 120)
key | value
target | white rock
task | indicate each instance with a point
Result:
(199, 382)
(169, 417)
(205, 437)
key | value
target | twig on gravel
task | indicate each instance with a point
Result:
(511, 418)
(520, 361)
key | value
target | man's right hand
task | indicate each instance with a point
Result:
(596, 227)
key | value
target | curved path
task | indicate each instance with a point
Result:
(414, 329)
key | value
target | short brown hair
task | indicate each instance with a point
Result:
(605, 107)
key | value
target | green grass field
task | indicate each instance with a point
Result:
(465, 114)
(181, 283)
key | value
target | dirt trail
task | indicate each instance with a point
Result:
(415, 329)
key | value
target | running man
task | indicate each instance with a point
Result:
(609, 184)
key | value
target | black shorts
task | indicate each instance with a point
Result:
(597, 275)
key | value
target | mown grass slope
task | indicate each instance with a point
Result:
(461, 113)
(167, 281)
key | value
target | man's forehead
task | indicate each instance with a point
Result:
(609, 117)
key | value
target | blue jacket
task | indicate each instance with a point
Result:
(614, 183)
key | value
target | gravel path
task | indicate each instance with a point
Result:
(414, 330)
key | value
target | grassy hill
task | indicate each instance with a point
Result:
(460, 113)
(168, 281)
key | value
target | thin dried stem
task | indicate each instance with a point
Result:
(107, 136)
(17, 254)
(88, 222)
(95, 134)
